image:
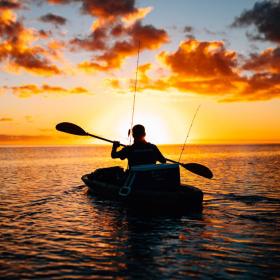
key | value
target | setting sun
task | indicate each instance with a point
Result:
(156, 130)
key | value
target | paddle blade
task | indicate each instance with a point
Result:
(70, 128)
(198, 169)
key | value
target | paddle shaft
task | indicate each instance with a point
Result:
(104, 139)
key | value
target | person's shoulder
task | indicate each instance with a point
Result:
(151, 145)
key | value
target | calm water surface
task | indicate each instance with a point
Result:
(51, 228)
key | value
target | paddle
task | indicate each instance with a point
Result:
(195, 168)
(77, 130)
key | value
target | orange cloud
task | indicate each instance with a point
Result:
(30, 90)
(264, 81)
(196, 67)
(260, 86)
(31, 63)
(136, 15)
(55, 49)
(201, 60)
(17, 47)
(266, 61)
(149, 37)
(208, 68)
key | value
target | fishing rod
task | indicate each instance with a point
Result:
(189, 132)
(134, 95)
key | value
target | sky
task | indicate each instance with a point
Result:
(77, 61)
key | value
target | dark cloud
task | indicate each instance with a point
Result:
(188, 29)
(59, 2)
(102, 8)
(265, 16)
(44, 34)
(108, 8)
(9, 4)
(54, 19)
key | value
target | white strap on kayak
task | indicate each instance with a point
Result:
(126, 188)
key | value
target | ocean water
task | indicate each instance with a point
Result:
(52, 228)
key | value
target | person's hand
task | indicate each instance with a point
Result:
(116, 144)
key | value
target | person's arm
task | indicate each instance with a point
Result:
(159, 157)
(122, 154)
(114, 153)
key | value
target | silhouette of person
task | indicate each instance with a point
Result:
(140, 152)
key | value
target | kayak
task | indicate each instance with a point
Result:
(145, 186)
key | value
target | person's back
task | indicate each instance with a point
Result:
(140, 152)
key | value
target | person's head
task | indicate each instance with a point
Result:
(138, 132)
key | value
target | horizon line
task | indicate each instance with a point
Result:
(9, 145)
